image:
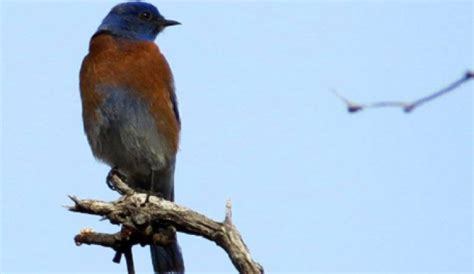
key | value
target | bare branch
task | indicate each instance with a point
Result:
(406, 106)
(141, 219)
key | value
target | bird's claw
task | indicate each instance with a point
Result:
(109, 180)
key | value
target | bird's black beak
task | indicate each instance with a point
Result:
(167, 23)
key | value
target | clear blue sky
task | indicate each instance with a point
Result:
(314, 188)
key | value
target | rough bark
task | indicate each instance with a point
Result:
(149, 219)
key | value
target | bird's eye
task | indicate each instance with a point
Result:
(145, 15)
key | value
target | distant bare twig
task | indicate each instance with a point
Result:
(140, 217)
(406, 106)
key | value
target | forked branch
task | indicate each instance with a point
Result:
(140, 218)
(406, 106)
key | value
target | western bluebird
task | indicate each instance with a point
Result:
(129, 107)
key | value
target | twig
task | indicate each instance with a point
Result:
(406, 106)
(129, 258)
(141, 218)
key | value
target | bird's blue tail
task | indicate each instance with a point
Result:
(167, 259)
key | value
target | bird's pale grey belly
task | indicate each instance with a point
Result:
(125, 134)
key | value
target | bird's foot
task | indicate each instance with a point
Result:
(147, 199)
(109, 180)
(150, 193)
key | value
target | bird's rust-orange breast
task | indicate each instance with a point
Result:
(138, 66)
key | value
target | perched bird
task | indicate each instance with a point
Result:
(129, 107)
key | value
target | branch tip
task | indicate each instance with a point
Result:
(353, 108)
(117, 257)
(228, 212)
(469, 74)
(408, 108)
(74, 198)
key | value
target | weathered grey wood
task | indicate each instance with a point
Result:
(143, 217)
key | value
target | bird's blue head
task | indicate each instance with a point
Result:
(135, 20)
